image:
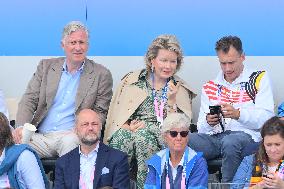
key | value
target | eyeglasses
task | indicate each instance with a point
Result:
(175, 133)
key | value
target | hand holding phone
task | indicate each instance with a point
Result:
(174, 81)
(215, 110)
(173, 87)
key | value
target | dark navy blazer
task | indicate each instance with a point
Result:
(67, 171)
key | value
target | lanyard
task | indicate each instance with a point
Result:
(159, 109)
(83, 181)
(183, 179)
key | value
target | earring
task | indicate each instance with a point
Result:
(152, 68)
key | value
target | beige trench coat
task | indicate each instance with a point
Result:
(127, 99)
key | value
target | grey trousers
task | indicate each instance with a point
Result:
(54, 144)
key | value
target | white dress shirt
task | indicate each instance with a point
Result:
(87, 168)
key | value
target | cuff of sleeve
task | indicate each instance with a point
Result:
(243, 115)
(173, 107)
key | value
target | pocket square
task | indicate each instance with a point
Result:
(105, 170)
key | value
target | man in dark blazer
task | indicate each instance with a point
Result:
(59, 88)
(92, 164)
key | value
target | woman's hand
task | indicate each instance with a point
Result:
(134, 125)
(273, 181)
(172, 92)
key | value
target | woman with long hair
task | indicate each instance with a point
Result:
(20, 166)
(267, 164)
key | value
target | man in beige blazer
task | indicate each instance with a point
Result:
(59, 89)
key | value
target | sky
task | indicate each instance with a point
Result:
(127, 27)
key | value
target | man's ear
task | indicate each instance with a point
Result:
(62, 44)
(243, 56)
(76, 130)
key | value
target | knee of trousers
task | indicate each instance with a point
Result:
(69, 141)
(195, 139)
(231, 147)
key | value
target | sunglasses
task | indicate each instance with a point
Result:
(175, 133)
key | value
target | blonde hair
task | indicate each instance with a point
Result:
(167, 42)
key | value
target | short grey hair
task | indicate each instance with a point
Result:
(175, 120)
(71, 27)
(78, 113)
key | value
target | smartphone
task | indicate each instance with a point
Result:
(174, 81)
(215, 109)
(265, 175)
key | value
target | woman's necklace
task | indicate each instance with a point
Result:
(159, 108)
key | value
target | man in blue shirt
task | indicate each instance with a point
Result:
(58, 89)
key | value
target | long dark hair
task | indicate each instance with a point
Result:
(273, 126)
(6, 138)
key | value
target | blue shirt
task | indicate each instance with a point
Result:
(61, 116)
(28, 171)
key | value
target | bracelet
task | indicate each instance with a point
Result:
(173, 107)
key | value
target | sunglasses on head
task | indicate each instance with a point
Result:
(175, 133)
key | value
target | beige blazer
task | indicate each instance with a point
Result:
(127, 99)
(94, 90)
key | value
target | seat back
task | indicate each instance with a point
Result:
(12, 106)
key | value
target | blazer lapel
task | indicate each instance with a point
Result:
(53, 78)
(86, 81)
(75, 168)
(100, 163)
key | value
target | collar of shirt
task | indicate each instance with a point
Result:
(143, 75)
(174, 169)
(64, 67)
(243, 77)
(91, 153)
